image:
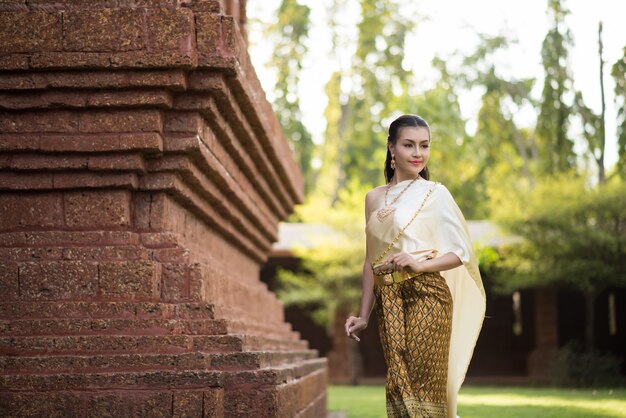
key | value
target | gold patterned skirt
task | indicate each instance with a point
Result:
(414, 323)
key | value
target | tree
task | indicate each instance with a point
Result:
(377, 78)
(618, 72)
(556, 148)
(291, 32)
(594, 130)
(502, 153)
(574, 236)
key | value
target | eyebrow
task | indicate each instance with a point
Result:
(412, 140)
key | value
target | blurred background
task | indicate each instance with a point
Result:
(526, 101)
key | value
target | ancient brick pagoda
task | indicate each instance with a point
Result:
(142, 178)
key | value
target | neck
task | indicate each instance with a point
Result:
(398, 177)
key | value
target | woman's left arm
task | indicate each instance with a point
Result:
(403, 261)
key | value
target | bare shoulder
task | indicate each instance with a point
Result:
(376, 191)
(374, 194)
(371, 196)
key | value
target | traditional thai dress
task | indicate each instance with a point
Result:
(429, 323)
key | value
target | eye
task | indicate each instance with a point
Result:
(425, 145)
(408, 145)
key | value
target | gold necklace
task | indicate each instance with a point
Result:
(388, 209)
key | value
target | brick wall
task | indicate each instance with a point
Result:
(142, 178)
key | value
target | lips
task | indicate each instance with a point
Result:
(415, 162)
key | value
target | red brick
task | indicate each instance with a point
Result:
(30, 31)
(38, 121)
(14, 5)
(117, 162)
(52, 280)
(120, 121)
(48, 162)
(172, 29)
(47, 99)
(30, 210)
(30, 254)
(190, 122)
(174, 282)
(182, 143)
(103, 30)
(68, 238)
(183, 59)
(126, 252)
(91, 209)
(74, 60)
(141, 141)
(70, 4)
(209, 33)
(41, 404)
(95, 180)
(129, 279)
(136, 98)
(15, 142)
(80, 143)
(14, 62)
(160, 239)
(21, 81)
(176, 254)
(213, 403)
(187, 404)
(25, 181)
(131, 404)
(141, 211)
(9, 284)
(197, 284)
(173, 78)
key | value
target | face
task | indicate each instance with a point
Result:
(411, 150)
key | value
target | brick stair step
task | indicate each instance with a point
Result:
(105, 344)
(105, 310)
(281, 330)
(136, 362)
(173, 379)
(110, 344)
(258, 343)
(58, 327)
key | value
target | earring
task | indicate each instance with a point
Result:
(393, 162)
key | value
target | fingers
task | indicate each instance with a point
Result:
(350, 325)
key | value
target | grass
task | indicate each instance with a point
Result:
(495, 402)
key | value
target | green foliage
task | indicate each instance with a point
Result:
(618, 72)
(573, 235)
(291, 32)
(556, 148)
(377, 80)
(573, 366)
(332, 269)
(499, 149)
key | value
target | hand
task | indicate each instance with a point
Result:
(355, 324)
(402, 261)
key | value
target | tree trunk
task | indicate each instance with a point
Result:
(600, 158)
(590, 298)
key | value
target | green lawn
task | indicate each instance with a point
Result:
(494, 402)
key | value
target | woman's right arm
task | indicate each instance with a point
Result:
(355, 324)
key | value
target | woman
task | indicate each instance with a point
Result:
(421, 271)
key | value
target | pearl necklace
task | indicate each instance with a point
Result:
(388, 209)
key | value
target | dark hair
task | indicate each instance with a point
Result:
(403, 121)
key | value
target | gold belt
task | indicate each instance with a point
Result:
(394, 277)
